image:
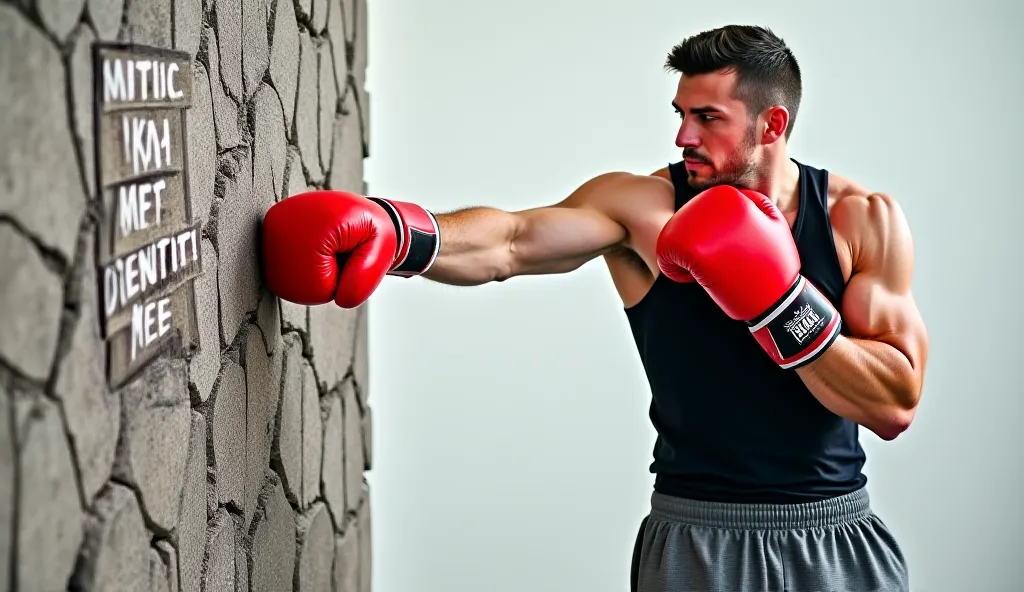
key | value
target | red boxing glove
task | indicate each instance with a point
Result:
(738, 246)
(334, 245)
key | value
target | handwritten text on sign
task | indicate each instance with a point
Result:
(149, 248)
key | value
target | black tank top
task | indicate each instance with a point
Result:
(731, 425)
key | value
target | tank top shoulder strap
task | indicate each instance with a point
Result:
(813, 234)
(683, 191)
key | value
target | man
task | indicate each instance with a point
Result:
(769, 300)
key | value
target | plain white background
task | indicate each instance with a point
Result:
(510, 421)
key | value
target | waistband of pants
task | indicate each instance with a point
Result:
(831, 512)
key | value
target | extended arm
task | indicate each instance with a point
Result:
(481, 244)
(875, 376)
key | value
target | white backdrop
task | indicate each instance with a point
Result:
(510, 421)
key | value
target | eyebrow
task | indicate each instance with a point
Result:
(698, 110)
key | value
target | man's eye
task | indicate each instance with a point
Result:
(706, 117)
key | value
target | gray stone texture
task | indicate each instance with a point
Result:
(235, 467)
(106, 17)
(47, 206)
(31, 299)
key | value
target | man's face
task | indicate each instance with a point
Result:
(718, 136)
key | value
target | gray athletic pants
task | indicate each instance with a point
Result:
(837, 545)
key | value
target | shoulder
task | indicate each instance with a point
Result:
(617, 193)
(872, 224)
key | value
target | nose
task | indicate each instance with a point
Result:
(687, 137)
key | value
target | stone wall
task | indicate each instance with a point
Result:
(237, 463)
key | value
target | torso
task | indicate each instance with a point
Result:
(731, 425)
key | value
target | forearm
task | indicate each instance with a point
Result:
(866, 381)
(475, 246)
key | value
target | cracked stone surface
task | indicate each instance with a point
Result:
(106, 16)
(255, 44)
(93, 412)
(202, 146)
(270, 143)
(316, 548)
(363, 528)
(227, 427)
(50, 523)
(59, 16)
(8, 462)
(188, 25)
(48, 206)
(192, 517)
(312, 436)
(307, 113)
(284, 57)
(359, 62)
(367, 437)
(353, 435)
(229, 45)
(334, 457)
(273, 539)
(289, 440)
(217, 468)
(153, 450)
(149, 23)
(225, 110)
(360, 358)
(31, 299)
(328, 105)
(205, 365)
(116, 550)
(82, 89)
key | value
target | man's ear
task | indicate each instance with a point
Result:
(776, 122)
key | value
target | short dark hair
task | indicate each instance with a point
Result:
(767, 72)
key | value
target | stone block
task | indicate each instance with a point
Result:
(31, 301)
(169, 556)
(115, 555)
(353, 436)
(270, 144)
(363, 526)
(331, 332)
(284, 57)
(8, 471)
(153, 450)
(59, 16)
(288, 442)
(202, 146)
(188, 25)
(359, 62)
(243, 552)
(339, 50)
(204, 366)
(361, 356)
(50, 512)
(82, 89)
(32, 90)
(92, 411)
(268, 318)
(149, 23)
(219, 561)
(237, 245)
(304, 10)
(159, 579)
(225, 110)
(255, 44)
(320, 12)
(191, 532)
(272, 567)
(229, 44)
(346, 560)
(307, 113)
(225, 418)
(312, 436)
(347, 160)
(316, 549)
(349, 12)
(328, 104)
(263, 389)
(106, 17)
(333, 479)
(295, 177)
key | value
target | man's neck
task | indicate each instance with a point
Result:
(781, 182)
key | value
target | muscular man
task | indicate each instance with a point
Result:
(770, 302)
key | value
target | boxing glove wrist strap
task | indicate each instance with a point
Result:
(419, 237)
(799, 327)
